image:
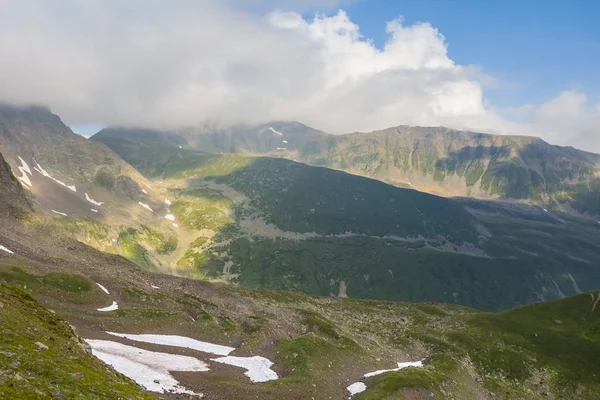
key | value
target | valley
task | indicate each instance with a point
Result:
(236, 276)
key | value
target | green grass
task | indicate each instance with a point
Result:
(63, 370)
(202, 209)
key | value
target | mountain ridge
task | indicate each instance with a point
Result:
(436, 160)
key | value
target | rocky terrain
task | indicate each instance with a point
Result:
(310, 347)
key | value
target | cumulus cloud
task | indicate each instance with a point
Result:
(156, 63)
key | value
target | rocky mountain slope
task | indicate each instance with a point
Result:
(319, 347)
(273, 223)
(278, 224)
(434, 160)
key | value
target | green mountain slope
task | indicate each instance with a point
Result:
(318, 345)
(278, 224)
(434, 160)
(42, 358)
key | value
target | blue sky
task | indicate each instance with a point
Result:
(536, 48)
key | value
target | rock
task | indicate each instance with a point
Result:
(41, 345)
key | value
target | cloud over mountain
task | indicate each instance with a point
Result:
(160, 63)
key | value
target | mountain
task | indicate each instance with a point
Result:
(319, 347)
(62, 169)
(278, 224)
(434, 160)
(89, 191)
(272, 223)
(14, 204)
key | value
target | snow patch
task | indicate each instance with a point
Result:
(94, 202)
(281, 148)
(155, 287)
(180, 147)
(59, 213)
(401, 365)
(93, 210)
(258, 369)
(284, 141)
(42, 171)
(544, 210)
(24, 168)
(356, 388)
(275, 132)
(114, 306)
(146, 206)
(6, 250)
(168, 202)
(105, 290)
(178, 341)
(175, 225)
(148, 368)
(170, 217)
(144, 191)
(575, 285)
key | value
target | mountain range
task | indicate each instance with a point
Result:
(261, 222)
(266, 222)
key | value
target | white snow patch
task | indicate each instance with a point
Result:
(24, 168)
(544, 210)
(144, 191)
(146, 206)
(93, 210)
(42, 171)
(401, 365)
(175, 225)
(409, 184)
(105, 290)
(114, 306)
(155, 287)
(168, 202)
(94, 202)
(6, 250)
(281, 148)
(575, 285)
(258, 369)
(170, 217)
(356, 388)
(59, 213)
(284, 141)
(148, 368)
(180, 147)
(275, 132)
(178, 341)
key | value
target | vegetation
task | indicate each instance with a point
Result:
(42, 358)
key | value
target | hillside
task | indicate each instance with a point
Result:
(319, 347)
(63, 170)
(433, 160)
(276, 224)
(82, 186)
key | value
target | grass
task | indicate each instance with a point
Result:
(61, 369)
(202, 209)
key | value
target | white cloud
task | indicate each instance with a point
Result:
(148, 62)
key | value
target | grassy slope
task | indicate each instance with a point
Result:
(533, 252)
(547, 350)
(62, 369)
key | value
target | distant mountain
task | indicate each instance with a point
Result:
(434, 160)
(280, 224)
